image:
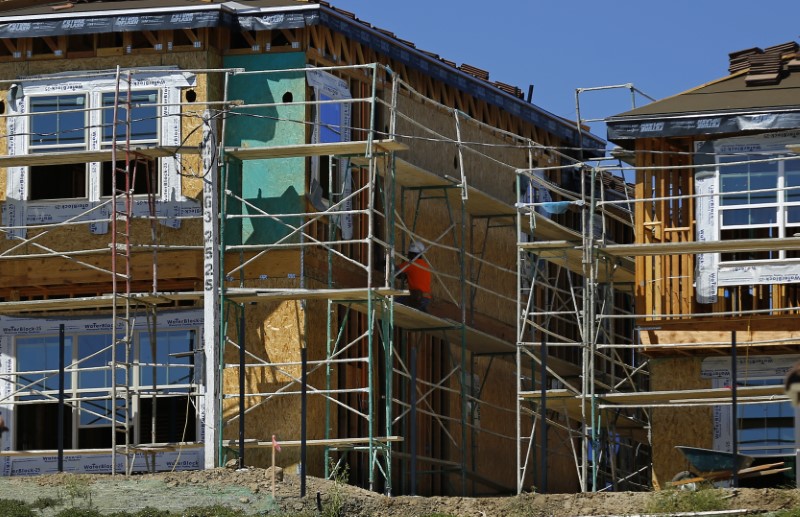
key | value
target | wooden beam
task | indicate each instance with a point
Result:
(9, 43)
(151, 38)
(339, 443)
(249, 39)
(72, 157)
(338, 149)
(193, 37)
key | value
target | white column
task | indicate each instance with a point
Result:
(211, 286)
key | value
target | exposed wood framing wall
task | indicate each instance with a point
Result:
(663, 282)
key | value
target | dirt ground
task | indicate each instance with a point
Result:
(251, 490)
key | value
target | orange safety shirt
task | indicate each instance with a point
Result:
(418, 274)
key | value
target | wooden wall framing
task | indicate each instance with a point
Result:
(664, 283)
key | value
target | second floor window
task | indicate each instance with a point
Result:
(141, 116)
(58, 124)
(63, 123)
(759, 199)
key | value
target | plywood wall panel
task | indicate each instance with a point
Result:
(681, 425)
(276, 332)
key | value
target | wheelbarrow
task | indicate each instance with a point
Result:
(710, 465)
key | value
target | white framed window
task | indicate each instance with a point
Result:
(331, 180)
(61, 123)
(140, 113)
(759, 199)
(747, 188)
(75, 111)
(88, 381)
(766, 429)
(57, 123)
(68, 122)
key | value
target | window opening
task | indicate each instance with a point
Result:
(758, 200)
(37, 364)
(143, 117)
(57, 124)
(331, 180)
(765, 429)
(89, 379)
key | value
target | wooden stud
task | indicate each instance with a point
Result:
(249, 39)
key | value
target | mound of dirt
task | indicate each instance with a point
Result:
(251, 490)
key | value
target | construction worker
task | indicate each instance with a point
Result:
(417, 272)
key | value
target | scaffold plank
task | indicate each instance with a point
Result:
(569, 254)
(475, 340)
(327, 442)
(478, 203)
(302, 150)
(244, 294)
(70, 157)
(235, 294)
(693, 247)
(94, 302)
(577, 408)
(707, 396)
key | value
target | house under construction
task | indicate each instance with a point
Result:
(717, 264)
(203, 207)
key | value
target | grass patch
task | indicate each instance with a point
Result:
(334, 507)
(212, 511)
(794, 512)
(79, 512)
(147, 511)
(18, 508)
(77, 488)
(15, 508)
(46, 502)
(674, 501)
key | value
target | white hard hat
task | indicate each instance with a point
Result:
(416, 247)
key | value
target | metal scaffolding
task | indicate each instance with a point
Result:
(366, 372)
(566, 286)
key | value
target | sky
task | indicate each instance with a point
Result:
(661, 48)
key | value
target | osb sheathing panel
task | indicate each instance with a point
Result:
(276, 332)
(493, 174)
(432, 217)
(494, 454)
(670, 427)
(51, 272)
(767, 331)
(496, 297)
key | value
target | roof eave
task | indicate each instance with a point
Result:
(231, 7)
(691, 124)
(570, 128)
(536, 115)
